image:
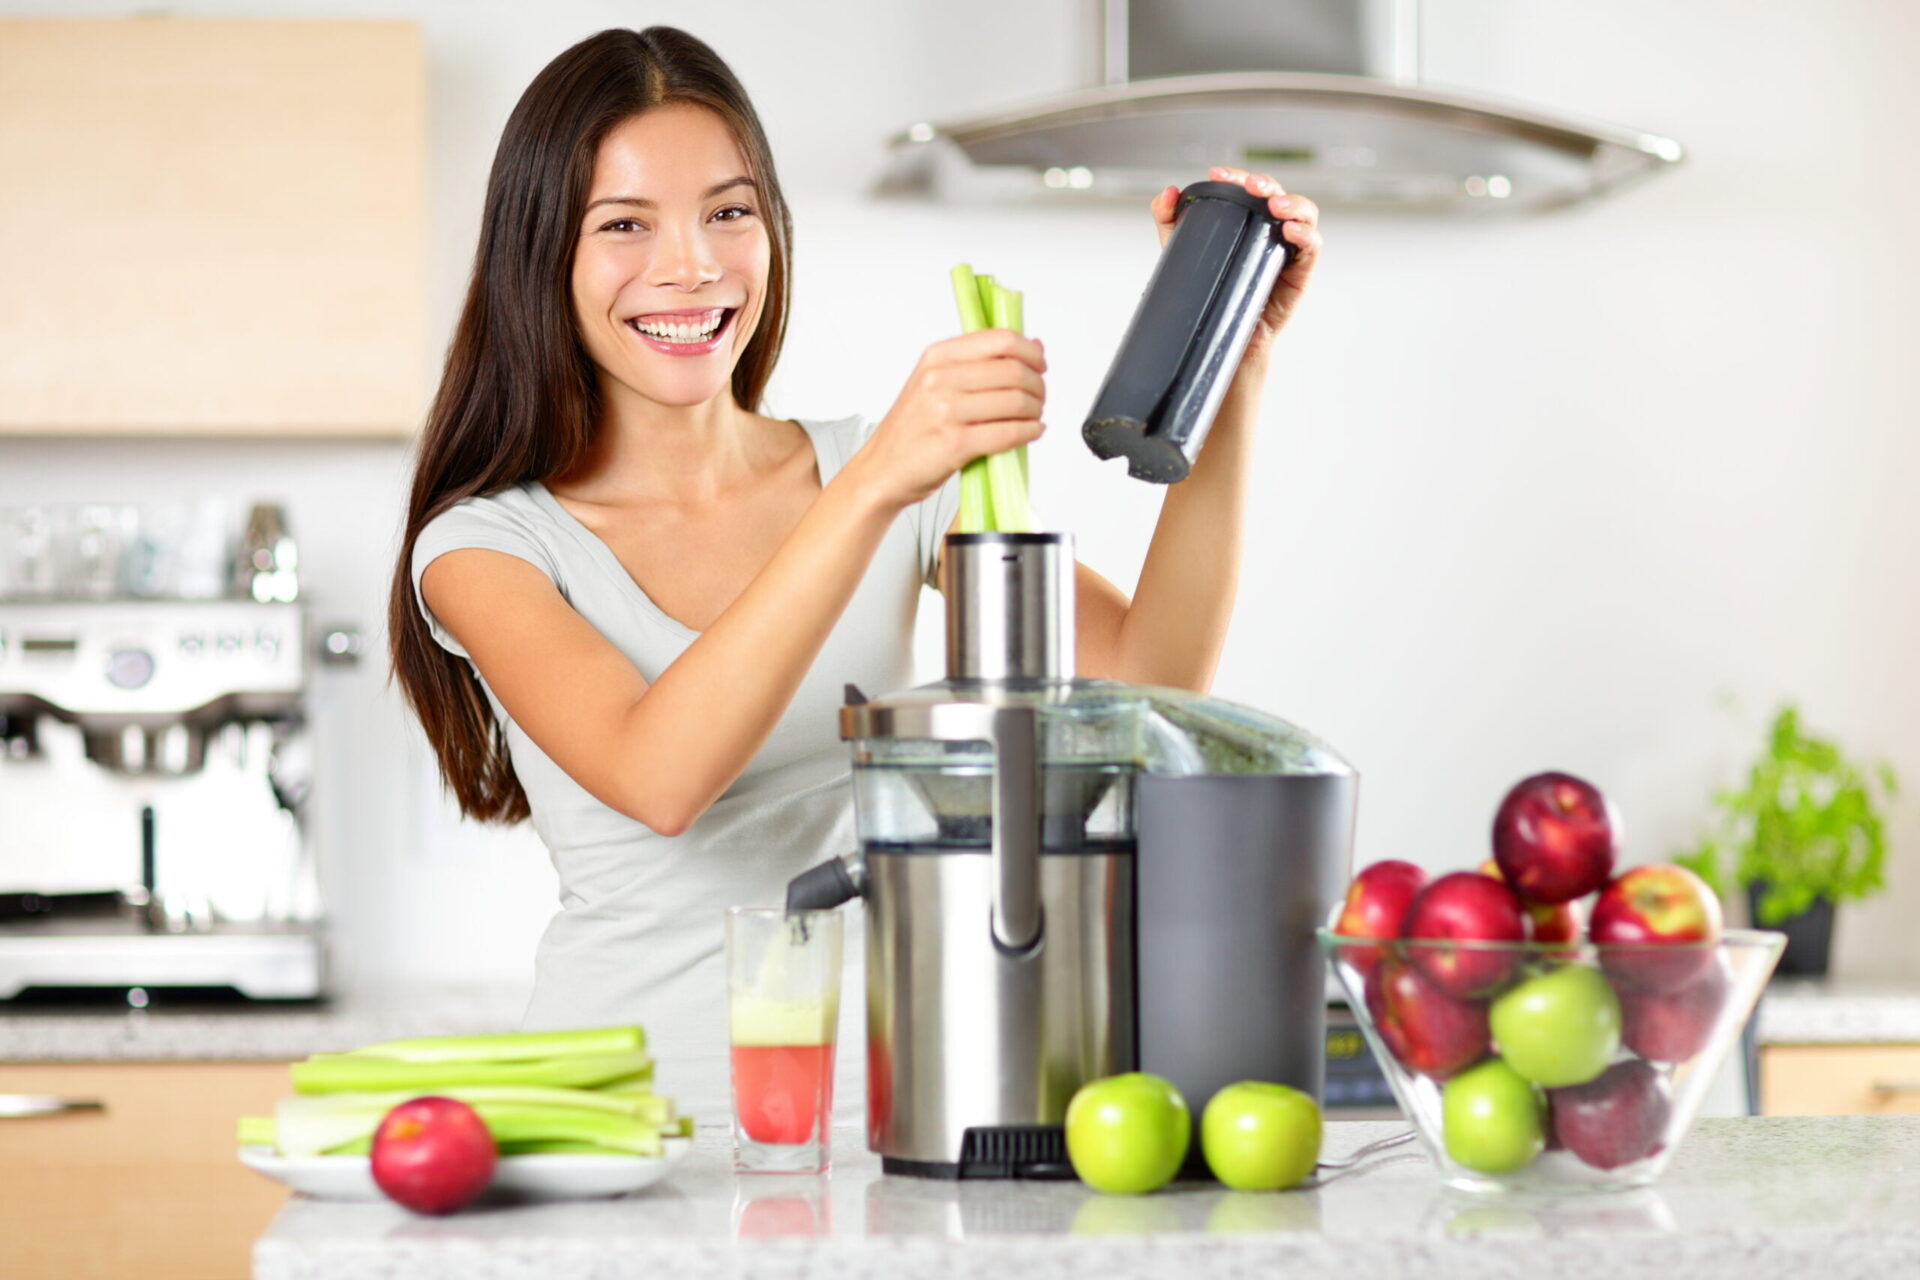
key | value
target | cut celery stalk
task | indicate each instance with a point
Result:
(255, 1131)
(557, 1147)
(333, 1123)
(640, 1082)
(976, 513)
(993, 490)
(519, 1046)
(1006, 472)
(362, 1073)
(966, 294)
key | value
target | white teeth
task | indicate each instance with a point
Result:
(692, 332)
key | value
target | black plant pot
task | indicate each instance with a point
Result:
(1809, 935)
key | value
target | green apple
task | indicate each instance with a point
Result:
(1127, 1134)
(1558, 1028)
(1492, 1118)
(1259, 1136)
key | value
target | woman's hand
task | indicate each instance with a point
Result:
(976, 394)
(1301, 230)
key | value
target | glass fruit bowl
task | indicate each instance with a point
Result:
(1545, 1066)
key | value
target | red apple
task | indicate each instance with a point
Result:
(1377, 901)
(1426, 1029)
(1554, 837)
(433, 1155)
(1672, 1026)
(1616, 1118)
(1670, 912)
(1465, 906)
(1546, 921)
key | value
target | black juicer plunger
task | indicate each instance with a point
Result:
(1186, 340)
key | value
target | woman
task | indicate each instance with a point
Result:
(627, 603)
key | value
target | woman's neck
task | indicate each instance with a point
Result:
(684, 454)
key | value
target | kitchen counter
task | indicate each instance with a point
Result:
(1793, 1012)
(1822, 1011)
(1744, 1198)
(276, 1033)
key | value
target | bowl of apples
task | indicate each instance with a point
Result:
(1546, 1023)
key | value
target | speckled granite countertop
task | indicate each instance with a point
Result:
(1834, 1196)
(1793, 1012)
(1805, 1011)
(274, 1034)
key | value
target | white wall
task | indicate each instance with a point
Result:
(1532, 493)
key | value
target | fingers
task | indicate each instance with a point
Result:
(987, 375)
(1279, 203)
(997, 437)
(1162, 205)
(1305, 239)
(986, 344)
(999, 405)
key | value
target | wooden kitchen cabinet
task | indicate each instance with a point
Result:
(211, 227)
(147, 1189)
(1839, 1079)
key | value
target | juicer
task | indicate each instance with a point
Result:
(1067, 878)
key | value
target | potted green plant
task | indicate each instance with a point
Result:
(1806, 831)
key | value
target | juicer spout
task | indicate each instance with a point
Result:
(826, 886)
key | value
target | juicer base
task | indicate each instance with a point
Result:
(1026, 1151)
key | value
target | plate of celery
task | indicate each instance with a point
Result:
(573, 1113)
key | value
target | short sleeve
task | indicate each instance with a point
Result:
(481, 524)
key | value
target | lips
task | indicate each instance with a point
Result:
(683, 333)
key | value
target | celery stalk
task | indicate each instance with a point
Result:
(335, 1123)
(556, 1147)
(517, 1046)
(966, 294)
(640, 1082)
(976, 513)
(255, 1131)
(1006, 471)
(550, 1124)
(344, 1072)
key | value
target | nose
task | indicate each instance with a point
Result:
(683, 258)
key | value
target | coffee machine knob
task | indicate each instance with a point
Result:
(129, 668)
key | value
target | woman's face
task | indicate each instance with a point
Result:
(670, 272)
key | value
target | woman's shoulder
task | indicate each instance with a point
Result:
(513, 520)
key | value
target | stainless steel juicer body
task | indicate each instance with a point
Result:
(999, 941)
(1014, 951)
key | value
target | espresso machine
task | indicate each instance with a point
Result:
(1064, 879)
(154, 767)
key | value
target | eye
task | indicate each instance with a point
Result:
(622, 224)
(733, 213)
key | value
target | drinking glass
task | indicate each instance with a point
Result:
(783, 1003)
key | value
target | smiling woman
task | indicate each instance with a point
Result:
(627, 601)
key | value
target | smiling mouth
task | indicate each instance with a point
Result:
(683, 328)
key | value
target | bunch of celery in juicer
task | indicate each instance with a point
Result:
(993, 490)
(584, 1092)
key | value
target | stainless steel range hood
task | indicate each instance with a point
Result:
(1323, 94)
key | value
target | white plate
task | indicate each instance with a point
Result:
(555, 1177)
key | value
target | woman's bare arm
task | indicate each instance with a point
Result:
(663, 752)
(660, 753)
(1173, 630)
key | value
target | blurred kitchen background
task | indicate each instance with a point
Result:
(1591, 490)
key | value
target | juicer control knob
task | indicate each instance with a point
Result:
(129, 668)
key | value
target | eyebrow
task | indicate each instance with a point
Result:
(641, 203)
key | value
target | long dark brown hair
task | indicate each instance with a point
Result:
(519, 396)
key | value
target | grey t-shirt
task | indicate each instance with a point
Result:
(638, 934)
